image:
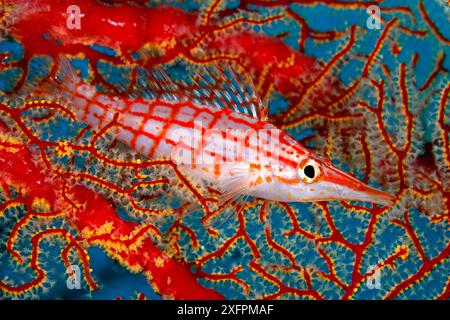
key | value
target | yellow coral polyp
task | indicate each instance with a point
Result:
(159, 262)
(64, 149)
(87, 233)
(40, 205)
(10, 139)
(105, 229)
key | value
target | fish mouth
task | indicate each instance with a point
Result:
(350, 188)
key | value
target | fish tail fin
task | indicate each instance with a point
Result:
(57, 87)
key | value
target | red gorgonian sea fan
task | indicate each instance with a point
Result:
(376, 102)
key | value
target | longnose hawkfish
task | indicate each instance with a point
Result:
(216, 129)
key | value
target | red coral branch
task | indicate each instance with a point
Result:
(93, 217)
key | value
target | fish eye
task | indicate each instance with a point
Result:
(309, 171)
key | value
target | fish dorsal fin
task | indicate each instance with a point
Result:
(229, 89)
(218, 86)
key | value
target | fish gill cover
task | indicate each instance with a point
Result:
(363, 83)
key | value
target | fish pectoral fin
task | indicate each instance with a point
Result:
(231, 201)
(226, 211)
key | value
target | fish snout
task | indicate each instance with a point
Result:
(349, 188)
